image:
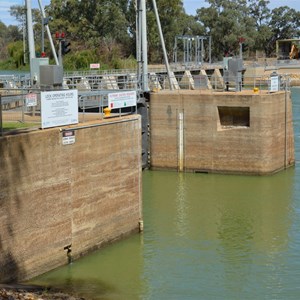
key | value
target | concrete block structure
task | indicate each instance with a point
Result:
(229, 132)
(59, 198)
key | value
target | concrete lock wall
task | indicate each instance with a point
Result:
(56, 197)
(244, 133)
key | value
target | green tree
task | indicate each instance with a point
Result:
(227, 21)
(15, 50)
(174, 21)
(285, 24)
(260, 12)
(3, 42)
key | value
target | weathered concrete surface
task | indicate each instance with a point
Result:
(264, 145)
(52, 195)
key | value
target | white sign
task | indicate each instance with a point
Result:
(274, 84)
(122, 99)
(31, 100)
(68, 137)
(59, 108)
(94, 66)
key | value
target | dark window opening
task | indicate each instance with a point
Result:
(234, 116)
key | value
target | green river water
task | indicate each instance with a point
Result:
(206, 236)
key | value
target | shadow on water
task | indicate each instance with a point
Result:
(113, 272)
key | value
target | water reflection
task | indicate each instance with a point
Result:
(230, 233)
(182, 206)
(253, 231)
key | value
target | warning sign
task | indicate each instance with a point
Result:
(122, 99)
(31, 100)
(68, 137)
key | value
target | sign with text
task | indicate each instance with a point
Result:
(274, 84)
(59, 108)
(122, 99)
(68, 137)
(31, 100)
(94, 66)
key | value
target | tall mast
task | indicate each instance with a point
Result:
(141, 46)
(30, 30)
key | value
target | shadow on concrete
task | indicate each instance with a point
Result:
(13, 167)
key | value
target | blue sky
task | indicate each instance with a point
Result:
(189, 5)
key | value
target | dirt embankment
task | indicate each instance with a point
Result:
(32, 293)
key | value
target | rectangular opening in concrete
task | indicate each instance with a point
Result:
(234, 116)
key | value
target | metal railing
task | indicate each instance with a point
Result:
(18, 112)
(93, 93)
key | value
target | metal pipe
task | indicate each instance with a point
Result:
(97, 125)
(162, 43)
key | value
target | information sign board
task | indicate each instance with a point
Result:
(59, 108)
(122, 99)
(274, 84)
(31, 100)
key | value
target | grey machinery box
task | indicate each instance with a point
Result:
(51, 75)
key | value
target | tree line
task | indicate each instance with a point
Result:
(104, 31)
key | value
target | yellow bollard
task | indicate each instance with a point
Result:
(106, 111)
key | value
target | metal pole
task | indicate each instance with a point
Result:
(139, 44)
(285, 122)
(30, 30)
(209, 49)
(180, 141)
(48, 33)
(241, 50)
(31, 46)
(144, 46)
(175, 52)
(202, 50)
(162, 43)
(60, 54)
(24, 37)
(43, 36)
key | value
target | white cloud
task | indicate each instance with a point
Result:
(5, 16)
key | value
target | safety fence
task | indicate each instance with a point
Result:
(22, 107)
(212, 80)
